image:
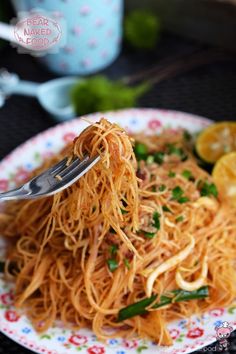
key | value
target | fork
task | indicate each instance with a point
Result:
(53, 180)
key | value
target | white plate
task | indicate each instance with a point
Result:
(59, 340)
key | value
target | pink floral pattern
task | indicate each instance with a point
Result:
(58, 340)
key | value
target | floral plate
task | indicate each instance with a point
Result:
(188, 335)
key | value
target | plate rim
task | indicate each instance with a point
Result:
(94, 116)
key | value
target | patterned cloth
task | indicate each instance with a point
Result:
(208, 91)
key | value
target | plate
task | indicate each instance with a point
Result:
(188, 335)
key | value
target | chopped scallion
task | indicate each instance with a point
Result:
(162, 188)
(165, 208)
(179, 218)
(159, 157)
(141, 151)
(112, 264)
(171, 174)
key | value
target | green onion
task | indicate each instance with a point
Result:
(162, 188)
(187, 136)
(112, 264)
(139, 308)
(187, 174)
(208, 189)
(154, 188)
(159, 157)
(113, 249)
(177, 192)
(141, 151)
(123, 211)
(156, 219)
(171, 174)
(150, 159)
(174, 150)
(165, 208)
(149, 235)
(183, 200)
(126, 263)
(179, 218)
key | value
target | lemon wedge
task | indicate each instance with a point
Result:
(216, 140)
(224, 175)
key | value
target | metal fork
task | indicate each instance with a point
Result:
(53, 180)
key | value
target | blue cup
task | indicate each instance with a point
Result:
(93, 33)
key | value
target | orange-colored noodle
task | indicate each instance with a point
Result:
(61, 244)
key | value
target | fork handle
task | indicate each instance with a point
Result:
(17, 193)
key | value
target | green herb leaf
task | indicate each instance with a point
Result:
(141, 151)
(183, 200)
(139, 308)
(123, 211)
(149, 235)
(126, 263)
(113, 249)
(162, 188)
(187, 174)
(142, 29)
(172, 149)
(156, 219)
(154, 188)
(150, 159)
(171, 174)
(187, 136)
(112, 264)
(165, 208)
(159, 157)
(179, 218)
(177, 192)
(99, 94)
(208, 189)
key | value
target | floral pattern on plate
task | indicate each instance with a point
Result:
(188, 335)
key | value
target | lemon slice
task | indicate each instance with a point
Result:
(216, 140)
(224, 175)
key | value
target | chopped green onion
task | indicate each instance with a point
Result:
(183, 200)
(187, 136)
(126, 263)
(149, 235)
(179, 218)
(154, 188)
(208, 189)
(139, 308)
(165, 208)
(150, 159)
(156, 219)
(113, 249)
(177, 192)
(141, 151)
(112, 231)
(187, 174)
(159, 157)
(112, 264)
(172, 149)
(171, 174)
(123, 211)
(162, 188)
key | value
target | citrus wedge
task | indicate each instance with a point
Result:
(216, 140)
(224, 175)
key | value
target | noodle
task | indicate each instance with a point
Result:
(124, 231)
